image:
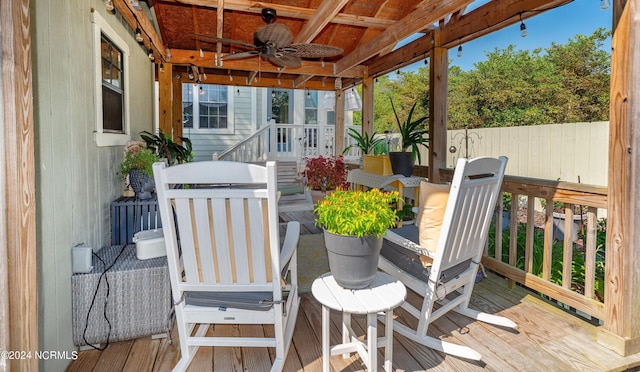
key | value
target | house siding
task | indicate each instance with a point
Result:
(75, 179)
(243, 119)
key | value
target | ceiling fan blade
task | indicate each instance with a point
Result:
(275, 34)
(251, 53)
(285, 60)
(215, 39)
(313, 50)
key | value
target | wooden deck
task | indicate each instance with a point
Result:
(548, 339)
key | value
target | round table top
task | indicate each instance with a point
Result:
(385, 293)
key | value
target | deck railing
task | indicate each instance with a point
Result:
(252, 149)
(560, 258)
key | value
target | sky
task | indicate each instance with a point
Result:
(556, 25)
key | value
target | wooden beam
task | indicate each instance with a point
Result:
(492, 16)
(272, 82)
(367, 105)
(138, 18)
(427, 13)
(219, 30)
(19, 284)
(292, 12)
(300, 80)
(621, 330)
(187, 57)
(327, 10)
(165, 92)
(416, 50)
(438, 74)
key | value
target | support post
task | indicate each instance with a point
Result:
(176, 109)
(165, 80)
(621, 331)
(438, 72)
(18, 249)
(339, 129)
(367, 105)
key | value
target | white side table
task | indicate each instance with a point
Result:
(383, 295)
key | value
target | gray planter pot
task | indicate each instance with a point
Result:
(353, 261)
(401, 163)
(558, 225)
(141, 183)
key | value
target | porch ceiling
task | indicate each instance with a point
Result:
(367, 30)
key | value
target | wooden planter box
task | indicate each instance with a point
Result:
(378, 164)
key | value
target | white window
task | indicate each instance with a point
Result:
(111, 61)
(311, 107)
(207, 107)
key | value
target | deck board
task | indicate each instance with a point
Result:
(547, 339)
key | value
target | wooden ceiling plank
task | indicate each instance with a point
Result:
(138, 18)
(327, 10)
(219, 31)
(292, 12)
(427, 13)
(186, 57)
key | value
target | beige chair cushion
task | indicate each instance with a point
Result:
(433, 203)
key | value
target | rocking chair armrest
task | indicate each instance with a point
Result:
(408, 244)
(290, 243)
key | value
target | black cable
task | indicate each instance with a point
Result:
(106, 300)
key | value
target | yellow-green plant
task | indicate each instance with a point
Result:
(357, 213)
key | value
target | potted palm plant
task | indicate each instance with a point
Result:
(166, 148)
(412, 133)
(323, 174)
(353, 223)
(368, 144)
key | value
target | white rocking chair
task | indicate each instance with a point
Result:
(226, 264)
(472, 198)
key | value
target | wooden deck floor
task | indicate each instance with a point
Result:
(548, 339)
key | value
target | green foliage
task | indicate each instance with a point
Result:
(365, 143)
(577, 264)
(357, 213)
(412, 131)
(406, 213)
(563, 83)
(166, 148)
(142, 159)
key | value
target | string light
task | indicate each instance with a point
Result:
(139, 35)
(604, 4)
(168, 54)
(523, 27)
(201, 91)
(162, 67)
(150, 53)
(189, 72)
(459, 50)
(201, 53)
(238, 92)
(108, 4)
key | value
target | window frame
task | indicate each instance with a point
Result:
(101, 137)
(195, 92)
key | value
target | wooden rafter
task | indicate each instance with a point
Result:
(219, 31)
(427, 13)
(138, 18)
(327, 10)
(292, 12)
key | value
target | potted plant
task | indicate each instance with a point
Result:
(368, 144)
(138, 167)
(412, 135)
(166, 148)
(353, 223)
(324, 174)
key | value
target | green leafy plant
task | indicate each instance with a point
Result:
(412, 132)
(166, 148)
(365, 143)
(357, 213)
(406, 213)
(325, 173)
(141, 158)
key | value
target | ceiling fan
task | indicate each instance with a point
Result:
(273, 43)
